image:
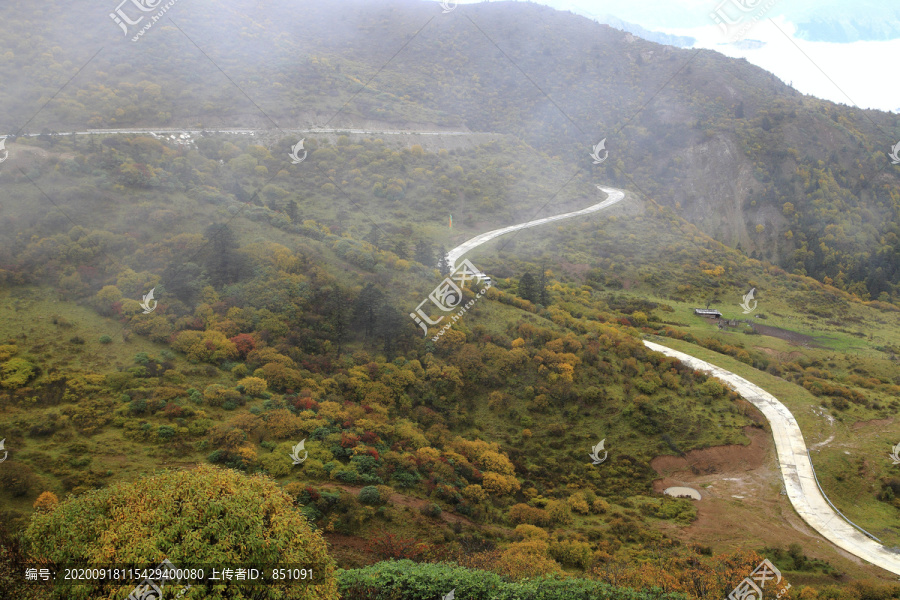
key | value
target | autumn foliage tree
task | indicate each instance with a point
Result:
(391, 546)
(203, 516)
(205, 346)
(696, 577)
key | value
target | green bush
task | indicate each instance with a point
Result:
(276, 465)
(572, 553)
(105, 339)
(195, 396)
(17, 479)
(370, 495)
(165, 432)
(408, 580)
(137, 406)
(198, 427)
(405, 479)
(346, 475)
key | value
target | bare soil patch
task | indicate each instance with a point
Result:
(718, 459)
(784, 334)
(742, 504)
(877, 423)
(348, 550)
(40, 152)
(347, 541)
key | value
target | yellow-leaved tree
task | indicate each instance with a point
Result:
(206, 517)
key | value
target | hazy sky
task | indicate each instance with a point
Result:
(856, 73)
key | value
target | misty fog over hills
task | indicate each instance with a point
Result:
(411, 300)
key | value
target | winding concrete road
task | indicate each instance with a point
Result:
(796, 469)
(793, 457)
(455, 254)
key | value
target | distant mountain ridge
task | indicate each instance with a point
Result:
(804, 183)
(681, 41)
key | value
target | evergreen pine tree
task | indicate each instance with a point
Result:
(374, 235)
(401, 249)
(443, 263)
(542, 294)
(224, 264)
(425, 254)
(240, 194)
(365, 309)
(388, 327)
(184, 281)
(528, 288)
(292, 210)
(338, 311)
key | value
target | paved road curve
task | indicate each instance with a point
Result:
(793, 459)
(455, 254)
(796, 470)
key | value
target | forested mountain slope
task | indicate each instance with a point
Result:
(737, 152)
(282, 292)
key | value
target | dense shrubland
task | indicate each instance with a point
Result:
(286, 320)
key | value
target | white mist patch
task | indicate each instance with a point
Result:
(826, 70)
